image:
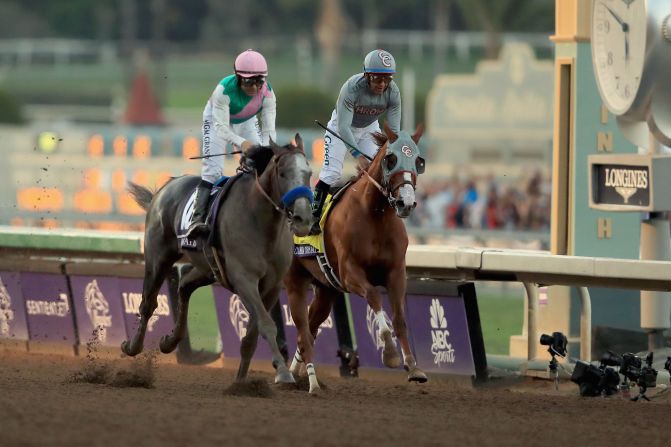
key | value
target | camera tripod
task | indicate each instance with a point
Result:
(641, 394)
(552, 366)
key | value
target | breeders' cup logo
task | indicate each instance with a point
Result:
(440, 347)
(6, 312)
(238, 315)
(406, 151)
(385, 58)
(375, 330)
(98, 309)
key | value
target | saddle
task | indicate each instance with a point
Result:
(217, 196)
(305, 246)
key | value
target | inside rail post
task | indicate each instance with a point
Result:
(585, 324)
(532, 312)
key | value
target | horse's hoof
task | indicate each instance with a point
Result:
(390, 356)
(284, 376)
(417, 375)
(125, 348)
(315, 390)
(167, 345)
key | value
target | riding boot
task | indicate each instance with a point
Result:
(198, 227)
(321, 191)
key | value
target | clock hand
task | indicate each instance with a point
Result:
(626, 46)
(617, 17)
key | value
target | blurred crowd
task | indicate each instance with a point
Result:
(484, 203)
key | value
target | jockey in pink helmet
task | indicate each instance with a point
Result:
(249, 64)
(230, 119)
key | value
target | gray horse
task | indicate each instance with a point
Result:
(252, 240)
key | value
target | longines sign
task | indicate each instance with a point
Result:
(622, 185)
(628, 182)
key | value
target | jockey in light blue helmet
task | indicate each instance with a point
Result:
(363, 98)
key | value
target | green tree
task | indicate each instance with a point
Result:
(496, 16)
(10, 109)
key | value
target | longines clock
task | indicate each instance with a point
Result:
(631, 54)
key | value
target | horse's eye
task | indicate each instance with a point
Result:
(390, 161)
(420, 164)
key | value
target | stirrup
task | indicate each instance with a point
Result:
(197, 230)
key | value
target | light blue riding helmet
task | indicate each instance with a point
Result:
(379, 61)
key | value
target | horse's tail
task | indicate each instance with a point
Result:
(141, 195)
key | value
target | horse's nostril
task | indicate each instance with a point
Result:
(298, 219)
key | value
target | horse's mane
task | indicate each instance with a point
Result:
(257, 157)
(380, 138)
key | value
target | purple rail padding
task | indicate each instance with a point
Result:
(440, 335)
(161, 322)
(366, 329)
(98, 303)
(13, 323)
(233, 319)
(438, 332)
(50, 318)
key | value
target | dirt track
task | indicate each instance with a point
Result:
(41, 405)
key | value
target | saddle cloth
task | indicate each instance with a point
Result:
(187, 213)
(311, 245)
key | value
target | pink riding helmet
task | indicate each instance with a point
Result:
(250, 63)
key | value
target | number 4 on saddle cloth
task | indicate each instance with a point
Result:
(217, 196)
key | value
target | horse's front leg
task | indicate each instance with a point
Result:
(396, 288)
(247, 348)
(296, 283)
(355, 280)
(247, 288)
(188, 283)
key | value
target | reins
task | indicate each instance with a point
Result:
(375, 183)
(277, 208)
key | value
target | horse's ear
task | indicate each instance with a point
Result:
(299, 141)
(275, 148)
(391, 136)
(418, 133)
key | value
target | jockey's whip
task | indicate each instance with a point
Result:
(342, 139)
(215, 155)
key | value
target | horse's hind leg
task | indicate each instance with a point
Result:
(318, 312)
(157, 266)
(321, 306)
(296, 281)
(188, 283)
(396, 288)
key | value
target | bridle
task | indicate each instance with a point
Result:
(386, 187)
(289, 197)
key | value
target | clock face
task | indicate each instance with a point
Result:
(618, 50)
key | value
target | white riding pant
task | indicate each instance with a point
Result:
(335, 149)
(213, 167)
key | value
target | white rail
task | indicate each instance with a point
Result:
(534, 268)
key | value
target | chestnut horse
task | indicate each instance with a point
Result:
(365, 242)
